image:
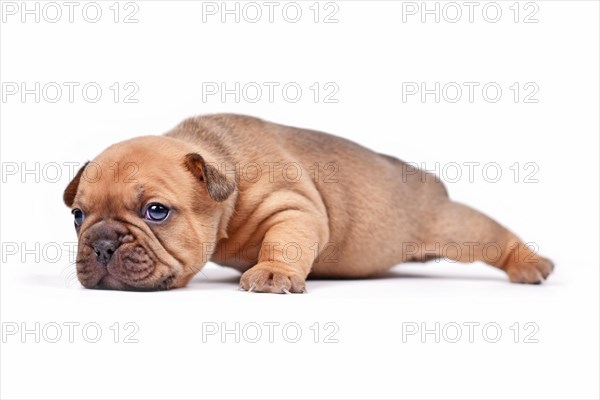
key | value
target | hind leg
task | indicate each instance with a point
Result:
(463, 234)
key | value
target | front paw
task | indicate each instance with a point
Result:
(272, 278)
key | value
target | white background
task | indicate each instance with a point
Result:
(169, 53)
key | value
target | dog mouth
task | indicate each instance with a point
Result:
(110, 282)
(129, 269)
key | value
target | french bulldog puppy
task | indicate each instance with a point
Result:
(275, 202)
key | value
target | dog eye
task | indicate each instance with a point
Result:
(156, 212)
(78, 217)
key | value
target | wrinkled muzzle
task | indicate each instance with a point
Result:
(111, 256)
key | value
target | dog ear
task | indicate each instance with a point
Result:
(219, 188)
(71, 190)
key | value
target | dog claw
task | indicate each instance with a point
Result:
(286, 291)
(252, 287)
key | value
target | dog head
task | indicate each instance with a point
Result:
(147, 212)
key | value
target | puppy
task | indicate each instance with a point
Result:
(275, 202)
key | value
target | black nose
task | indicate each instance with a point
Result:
(104, 249)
